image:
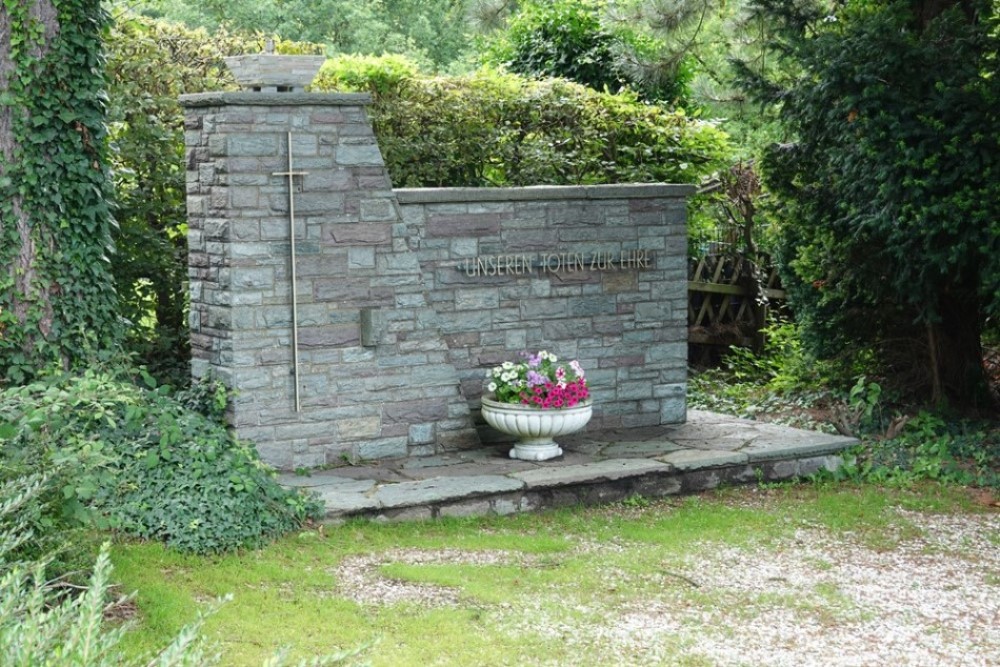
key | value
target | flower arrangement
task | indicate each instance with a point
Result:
(539, 381)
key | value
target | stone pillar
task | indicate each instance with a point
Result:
(395, 395)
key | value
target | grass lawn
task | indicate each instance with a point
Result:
(635, 583)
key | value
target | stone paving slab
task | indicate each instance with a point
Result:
(342, 504)
(495, 466)
(786, 447)
(450, 459)
(696, 459)
(438, 489)
(373, 471)
(324, 481)
(639, 448)
(598, 466)
(601, 471)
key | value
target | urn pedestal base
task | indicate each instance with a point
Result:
(534, 452)
(535, 428)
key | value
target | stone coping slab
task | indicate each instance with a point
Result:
(543, 192)
(708, 450)
(262, 99)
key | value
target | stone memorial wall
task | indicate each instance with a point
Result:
(404, 298)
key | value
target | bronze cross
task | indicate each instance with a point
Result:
(291, 174)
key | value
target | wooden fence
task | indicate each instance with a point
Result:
(725, 304)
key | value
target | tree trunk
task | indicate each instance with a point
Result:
(58, 302)
(26, 289)
(958, 350)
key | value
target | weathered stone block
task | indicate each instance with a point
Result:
(348, 155)
(250, 145)
(358, 428)
(673, 410)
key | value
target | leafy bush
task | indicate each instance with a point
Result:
(492, 129)
(784, 385)
(571, 39)
(142, 461)
(889, 197)
(382, 75)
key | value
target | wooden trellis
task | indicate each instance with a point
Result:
(722, 304)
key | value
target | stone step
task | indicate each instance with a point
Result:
(602, 467)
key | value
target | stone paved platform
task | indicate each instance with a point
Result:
(598, 467)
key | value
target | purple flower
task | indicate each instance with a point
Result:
(535, 378)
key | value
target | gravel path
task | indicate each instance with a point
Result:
(931, 600)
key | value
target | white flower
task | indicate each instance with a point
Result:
(553, 358)
(496, 370)
(508, 365)
(492, 386)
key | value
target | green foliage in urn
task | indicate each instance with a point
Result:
(890, 194)
(491, 129)
(57, 303)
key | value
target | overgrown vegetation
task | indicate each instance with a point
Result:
(574, 39)
(46, 622)
(432, 32)
(888, 195)
(57, 301)
(41, 623)
(493, 129)
(901, 443)
(143, 462)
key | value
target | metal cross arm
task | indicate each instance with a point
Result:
(291, 174)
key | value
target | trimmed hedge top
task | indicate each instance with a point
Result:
(491, 129)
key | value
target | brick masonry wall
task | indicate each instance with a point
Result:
(394, 339)
(627, 324)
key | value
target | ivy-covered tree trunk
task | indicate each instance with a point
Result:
(57, 303)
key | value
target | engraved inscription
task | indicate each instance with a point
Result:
(555, 262)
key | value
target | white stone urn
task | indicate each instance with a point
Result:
(534, 427)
